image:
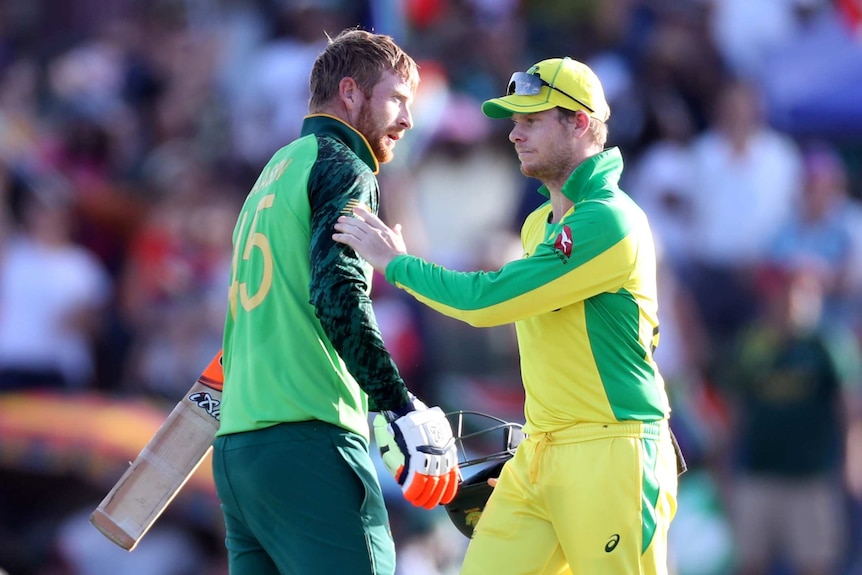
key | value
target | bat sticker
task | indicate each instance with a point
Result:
(206, 402)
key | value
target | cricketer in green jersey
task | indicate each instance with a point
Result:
(303, 357)
(592, 489)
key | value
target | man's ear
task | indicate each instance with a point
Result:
(580, 121)
(349, 93)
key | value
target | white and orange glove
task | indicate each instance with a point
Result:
(419, 450)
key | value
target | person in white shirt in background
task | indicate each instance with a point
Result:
(53, 294)
(745, 184)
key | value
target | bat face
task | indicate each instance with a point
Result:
(165, 464)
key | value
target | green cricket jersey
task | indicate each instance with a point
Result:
(301, 341)
(583, 300)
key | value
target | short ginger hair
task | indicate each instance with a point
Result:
(361, 55)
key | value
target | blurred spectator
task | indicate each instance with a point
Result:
(681, 354)
(167, 549)
(812, 79)
(53, 296)
(744, 186)
(172, 289)
(747, 32)
(746, 182)
(660, 185)
(428, 545)
(21, 126)
(269, 100)
(94, 139)
(7, 184)
(793, 382)
(106, 209)
(477, 42)
(458, 238)
(88, 77)
(853, 213)
(678, 72)
(851, 14)
(819, 236)
(661, 178)
(701, 540)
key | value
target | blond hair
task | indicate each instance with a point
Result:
(598, 129)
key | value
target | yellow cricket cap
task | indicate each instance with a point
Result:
(557, 82)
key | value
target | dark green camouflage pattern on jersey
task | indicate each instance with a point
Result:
(340, 280)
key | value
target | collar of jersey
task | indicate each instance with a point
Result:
(327, 125)
(594, 173)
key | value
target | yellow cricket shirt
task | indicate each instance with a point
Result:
(583, 300)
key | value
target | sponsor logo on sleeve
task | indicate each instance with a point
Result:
(563, 244)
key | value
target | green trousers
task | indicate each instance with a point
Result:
(302, 499)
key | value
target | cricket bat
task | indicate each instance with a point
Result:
(164, 465)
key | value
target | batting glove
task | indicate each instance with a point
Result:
(419, 450)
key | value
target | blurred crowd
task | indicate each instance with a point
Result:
(131, 131)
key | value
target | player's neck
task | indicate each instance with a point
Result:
(560, 204)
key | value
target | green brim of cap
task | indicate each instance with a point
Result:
(507, 105)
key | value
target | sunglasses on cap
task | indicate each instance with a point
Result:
(524, 84)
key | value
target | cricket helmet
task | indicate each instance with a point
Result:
(485, 443)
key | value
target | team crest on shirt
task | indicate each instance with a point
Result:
(563, 244)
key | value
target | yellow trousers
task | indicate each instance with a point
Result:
(591, 499)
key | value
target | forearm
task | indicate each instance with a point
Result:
(350, 324)
(520, 289)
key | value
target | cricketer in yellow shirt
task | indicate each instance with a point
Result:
(592, 490)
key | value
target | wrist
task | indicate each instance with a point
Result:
(412, 404)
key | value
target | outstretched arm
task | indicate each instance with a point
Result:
(374, 241)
